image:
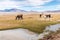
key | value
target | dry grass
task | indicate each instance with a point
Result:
(31, 21)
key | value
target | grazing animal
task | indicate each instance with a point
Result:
(48, 16)
(40, 15)
(18, 17)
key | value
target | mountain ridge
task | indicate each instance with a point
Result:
(19, 10)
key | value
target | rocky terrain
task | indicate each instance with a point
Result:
(53, 36)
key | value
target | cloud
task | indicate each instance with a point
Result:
(37, 5)
(38, 2)
(22, 3)
(57, 7)
(8, 4)
(51, 8)
(17, 0)
(32, 2)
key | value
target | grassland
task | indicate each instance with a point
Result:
(31, 22)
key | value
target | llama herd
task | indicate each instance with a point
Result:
(20, 17)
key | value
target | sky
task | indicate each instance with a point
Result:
(28, 5)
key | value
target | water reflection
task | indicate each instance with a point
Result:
(53, 27)
(17, 34)
(48, 29)
(24, 34)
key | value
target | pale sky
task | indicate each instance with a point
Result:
(35, 5)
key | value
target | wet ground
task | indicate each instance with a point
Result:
(24, 34)
(17, 34)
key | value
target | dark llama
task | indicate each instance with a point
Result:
(18, 17)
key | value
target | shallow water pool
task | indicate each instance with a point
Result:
(17, 34)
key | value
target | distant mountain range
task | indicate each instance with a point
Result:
(12, 10)
(19, 10)
(53, 11)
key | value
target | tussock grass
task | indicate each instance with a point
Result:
(32, 23)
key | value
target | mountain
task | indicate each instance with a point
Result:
(12, 10)
(53, 11)
(19, 10)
